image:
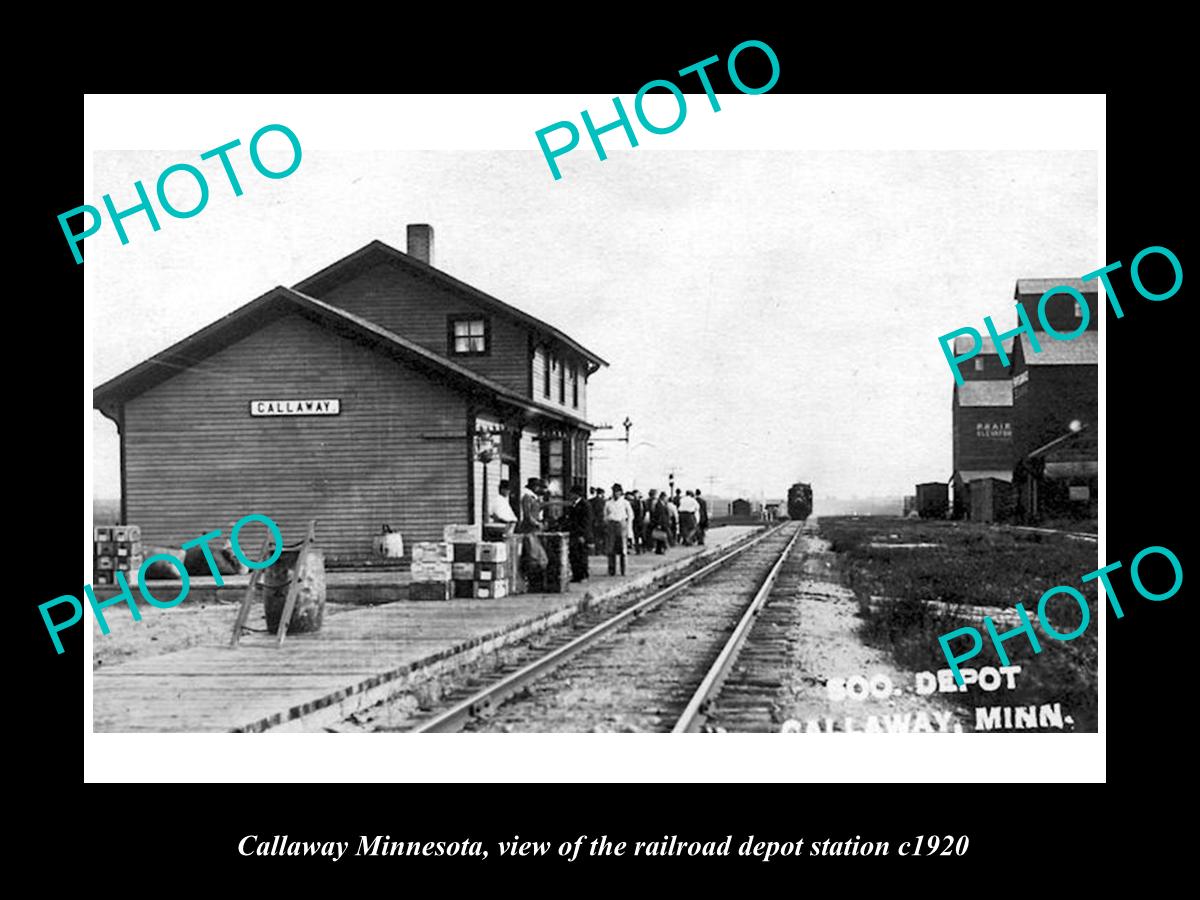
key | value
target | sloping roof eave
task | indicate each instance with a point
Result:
(146, 374)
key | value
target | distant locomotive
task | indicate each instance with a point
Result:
(799, 501)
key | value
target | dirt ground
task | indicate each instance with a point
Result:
(168, 630)
(838, 683)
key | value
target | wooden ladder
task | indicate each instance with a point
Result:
(289, 605)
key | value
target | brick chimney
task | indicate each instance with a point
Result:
(420, 242)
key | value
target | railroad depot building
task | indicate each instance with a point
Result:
(380, 390)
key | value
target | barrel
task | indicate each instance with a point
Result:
(310, 597)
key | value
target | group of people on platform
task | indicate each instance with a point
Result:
(613, 523)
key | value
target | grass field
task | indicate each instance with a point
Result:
(971, 564)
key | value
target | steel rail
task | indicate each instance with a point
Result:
(695, 714)
(493, 695)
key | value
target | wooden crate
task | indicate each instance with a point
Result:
(429, 590)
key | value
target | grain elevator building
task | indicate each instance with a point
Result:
(982, 422)
(1056, 404)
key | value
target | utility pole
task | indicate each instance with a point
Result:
(627, 424)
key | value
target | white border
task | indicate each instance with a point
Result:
(489, 122)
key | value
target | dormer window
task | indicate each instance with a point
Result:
(468, 335)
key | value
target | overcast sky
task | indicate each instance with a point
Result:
(769, 316)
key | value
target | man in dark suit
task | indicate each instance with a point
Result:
(635, 503)
(579, 529)
(597, 537)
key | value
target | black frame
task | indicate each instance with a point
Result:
(452, 320)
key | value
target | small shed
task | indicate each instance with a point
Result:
(933, 499)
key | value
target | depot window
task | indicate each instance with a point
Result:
(469, 335)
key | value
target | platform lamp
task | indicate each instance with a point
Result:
(485, 452)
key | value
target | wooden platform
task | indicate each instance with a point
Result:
(359, 658)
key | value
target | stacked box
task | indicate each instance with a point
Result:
(491, 571)
(429, 590)
(491, 552)
(122, 534)
(481, 569)
(431, 551)
(431, 571)
(116, 548)
(462, 534)
(488, 590)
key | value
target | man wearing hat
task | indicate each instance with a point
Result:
(531, 507)
(579, 527)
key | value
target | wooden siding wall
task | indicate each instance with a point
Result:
(539, 362)
(493, 474)
(530, 453)
(539, 375)
(416, 308)
(197, 460)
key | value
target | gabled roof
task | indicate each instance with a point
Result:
(1035, 287)
(279, 302)
(1081, 351)
(377, 251)
(963, 343)
(997, 392)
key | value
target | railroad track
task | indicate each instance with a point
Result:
(652, 666)
(749, 698)
(1074, 535)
